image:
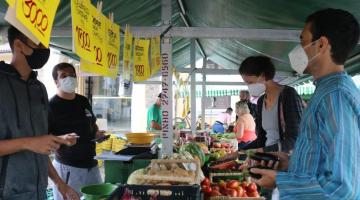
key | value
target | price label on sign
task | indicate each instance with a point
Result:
(34, 18)
(141, 60)
(112, 60)
(139, 70)
(83, 39)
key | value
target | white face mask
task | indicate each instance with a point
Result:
(299, 59)
(256, 89)
(68, 84)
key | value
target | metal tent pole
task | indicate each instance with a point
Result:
(166, 74)
(193, 86)
(203, 97)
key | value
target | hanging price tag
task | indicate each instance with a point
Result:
(155, 55)
(34, 18)
(141, 70)
(112, 46)
(81, 28)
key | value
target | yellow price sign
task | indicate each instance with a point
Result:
(112, 47)
(37, 16)
(81, 23)
(141, 68)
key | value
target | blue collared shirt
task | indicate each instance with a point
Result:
(325, 163)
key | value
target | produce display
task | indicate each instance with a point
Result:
(195, 150)
(230, 188)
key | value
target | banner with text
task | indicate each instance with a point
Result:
(34, 18)
(141, 69)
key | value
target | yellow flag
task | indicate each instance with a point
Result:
(155, 55)
(81, 29)
(127, 53)
(112, 47)
(34, 18)
(141, 68)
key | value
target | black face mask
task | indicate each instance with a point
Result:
(38, 58)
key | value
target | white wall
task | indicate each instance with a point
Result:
(138, 109)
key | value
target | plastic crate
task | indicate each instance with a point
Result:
(171, 192)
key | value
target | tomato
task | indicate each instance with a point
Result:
(206, 189)
(253, 194)
(233, 184)
(215, 193)
(244, 184)
(222, 184)
(206, 182)
(231, 193)
(215, 187)
(240, 191)
(252, 187)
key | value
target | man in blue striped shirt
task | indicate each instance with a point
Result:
(325, 163)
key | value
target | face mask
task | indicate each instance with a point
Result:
(298, 58)
(68, 84)
(38, 58)
(256, 89)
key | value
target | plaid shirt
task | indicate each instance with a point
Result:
(292, 107)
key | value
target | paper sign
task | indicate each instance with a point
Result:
(127, 53)
(81, 28)
(155, 55)
(34, 18)
(141, 70)
(112, 47)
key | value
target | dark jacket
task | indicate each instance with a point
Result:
(23, 113)
(293, 107)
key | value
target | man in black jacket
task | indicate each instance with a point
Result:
(24, 140)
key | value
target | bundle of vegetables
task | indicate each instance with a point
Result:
(195, 150)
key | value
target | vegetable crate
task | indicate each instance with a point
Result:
(163, 192)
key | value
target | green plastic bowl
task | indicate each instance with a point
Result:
(98, 191)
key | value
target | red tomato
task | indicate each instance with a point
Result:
(233, 184)
(215, 187)
(206, 182)
(252, 187)
(253, 194)
(222, 184)
(215, 193)
(231, 192)
(244, 184)
(240, 191)
(206, 189)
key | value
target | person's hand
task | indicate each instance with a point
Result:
(44, 144)
(99, 134)
(281, 165)
(267, 179)
(67, 192)
(71, 138)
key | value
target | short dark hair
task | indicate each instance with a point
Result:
(339, 27)
(14, 33)
(229, 110)
(257, 65)
(61, 66)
